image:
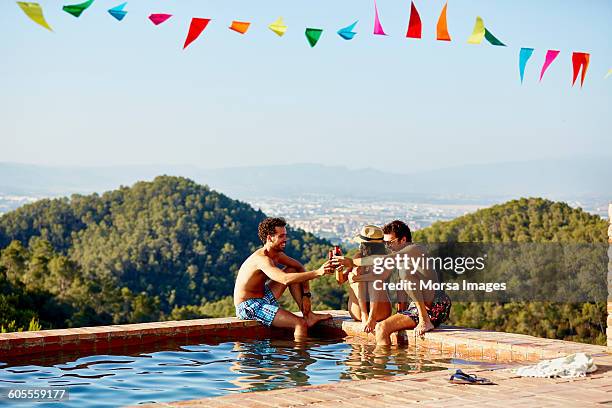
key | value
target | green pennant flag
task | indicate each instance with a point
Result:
(491, 38)
(313, 35)
(77, 9)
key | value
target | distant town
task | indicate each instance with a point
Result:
(340, 218)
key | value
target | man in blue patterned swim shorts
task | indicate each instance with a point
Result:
(261, 282)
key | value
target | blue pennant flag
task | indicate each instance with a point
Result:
(347, 32)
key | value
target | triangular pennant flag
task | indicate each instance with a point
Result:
(378, 30)
(608, 74)
(118, 11)
(524, 56)
(77, 9)
(347, 32)
(442, 27)
(491, 39)
(159, 18)
(278, 27)
(550, 57)
(580, 60)
(240, 26)
(478, 33)
(414, 25)
(313, 35)
(195, 29)
(35, 13)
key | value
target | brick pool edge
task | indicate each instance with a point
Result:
(457, 342)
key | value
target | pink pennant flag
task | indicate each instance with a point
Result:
(378, 30)
(550, 57)
(159, 18)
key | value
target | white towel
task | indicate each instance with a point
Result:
(573, 365)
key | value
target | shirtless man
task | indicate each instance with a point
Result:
(256, 299)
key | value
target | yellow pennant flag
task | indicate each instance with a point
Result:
(34, 11)
(608, 74)
(278, 27)
(478, 33)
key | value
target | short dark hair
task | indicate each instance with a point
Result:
(400, 229)
(268, 227)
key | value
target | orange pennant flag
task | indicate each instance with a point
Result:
(240, 26)
(442, 27)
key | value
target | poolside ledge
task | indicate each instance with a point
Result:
(459, 342)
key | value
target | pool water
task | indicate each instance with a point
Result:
(202, 370)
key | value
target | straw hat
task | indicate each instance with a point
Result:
(370, 233)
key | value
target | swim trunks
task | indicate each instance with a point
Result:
(438, 313)
(261, 309)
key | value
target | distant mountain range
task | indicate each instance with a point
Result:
(559, 178)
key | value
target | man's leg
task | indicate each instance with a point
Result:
(392, 324)
(297, 290)
(288, 320)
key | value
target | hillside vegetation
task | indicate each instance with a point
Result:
(528, 220)
(155, 250)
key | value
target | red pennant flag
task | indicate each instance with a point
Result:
(580, 60)
(195, 29)
(414, 25)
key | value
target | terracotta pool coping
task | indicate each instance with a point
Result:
(474, 344)
(459, 342)
(429, 389)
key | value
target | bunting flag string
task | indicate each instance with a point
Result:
(35, 13)
(77, 9)
(550, 57)
(313, 35)
(159, 18)
(414, 24)
(347, 32)
(118, 11)
(240, 26)
(442, 26)
(524, 56)
(580, 60)
(278, 27)
(378, 30)
(195, 29)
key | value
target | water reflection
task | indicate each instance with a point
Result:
(202, 370)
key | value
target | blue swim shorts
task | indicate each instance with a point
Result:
(261, 309)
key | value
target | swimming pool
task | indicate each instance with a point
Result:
(204, 370)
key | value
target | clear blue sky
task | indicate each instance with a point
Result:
(98, 91)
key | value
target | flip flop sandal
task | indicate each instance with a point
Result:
(462, 378)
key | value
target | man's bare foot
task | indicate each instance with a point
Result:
(314, 318)
(423, 327)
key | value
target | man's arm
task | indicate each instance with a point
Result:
(289, 262)
(371, 277)
(286, 278)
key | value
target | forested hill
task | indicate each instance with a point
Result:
(132, 254)
(523, 220)
(528, 220)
